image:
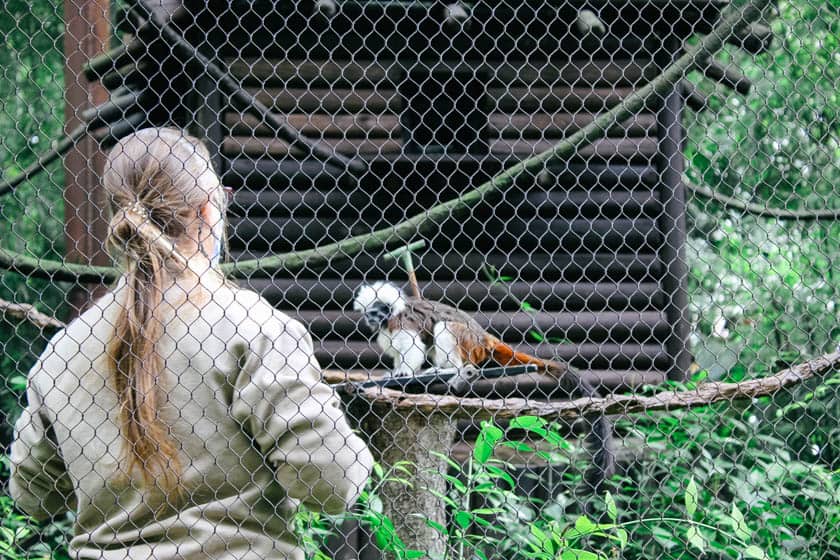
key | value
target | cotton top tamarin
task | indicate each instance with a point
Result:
(414, 330)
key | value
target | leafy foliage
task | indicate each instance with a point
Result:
(742, 476)
(507, 525)
(23, 539)
(769, 287)
(31, 219)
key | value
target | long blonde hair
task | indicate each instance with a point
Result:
(158, 179)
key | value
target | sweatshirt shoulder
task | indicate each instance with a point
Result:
(252, 314)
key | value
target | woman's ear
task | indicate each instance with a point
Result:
(212, 216)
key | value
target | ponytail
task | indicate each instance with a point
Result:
(158, 179)
(134, 361)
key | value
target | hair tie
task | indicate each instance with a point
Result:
(150, 232)
(138, 208)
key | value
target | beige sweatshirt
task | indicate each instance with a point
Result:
(258, 433)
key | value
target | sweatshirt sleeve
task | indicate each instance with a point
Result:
(296, 421)
(39, 482)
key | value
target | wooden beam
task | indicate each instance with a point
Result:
(696, 100)
(672, 225)
(87, 32)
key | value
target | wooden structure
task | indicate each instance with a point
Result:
(435, 99)
(594, 245)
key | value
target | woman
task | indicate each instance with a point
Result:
(180, 417)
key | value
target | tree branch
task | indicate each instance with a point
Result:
(26, 312)
(758, 210)
(703, 395)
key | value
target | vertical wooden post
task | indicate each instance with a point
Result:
(86, 35)
(410, 435)
(674, 282)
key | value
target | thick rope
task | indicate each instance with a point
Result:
(734, 18)
(703, 394)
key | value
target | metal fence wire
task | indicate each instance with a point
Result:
(405, 279)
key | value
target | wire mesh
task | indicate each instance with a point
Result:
(607, 327)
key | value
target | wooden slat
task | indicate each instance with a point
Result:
(514, 327)
(549, 204)
(506, 99)
(602, 267)
(545, 126)
(258, 147)
(343, 101)
(530, 385)
(396, 169)
(362, 125)
(501, 125)
(544, 387)
(554, 100)
(628, 148)
(325, 293)
(354, 74)
(494, 233)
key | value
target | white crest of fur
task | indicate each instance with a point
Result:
(381, 291)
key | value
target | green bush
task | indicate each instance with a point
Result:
(31, 219)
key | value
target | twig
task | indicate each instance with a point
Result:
(26, 312)
(703, 395)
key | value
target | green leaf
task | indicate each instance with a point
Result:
(612, 511)
(691, 498)
(411, 554)
(457, 484)
(486, 441)
(463, 518)
(446, 499)
(585, 525)
(576, 554)
(695, 539)
(378, 471)
(501, 474)
(448, 460)
(739, 524)
(546, 542)
(436, 526)
(517, 445)
(622, 536)
(17, 383)
(526, 306)
(527, 422)
(753, 551)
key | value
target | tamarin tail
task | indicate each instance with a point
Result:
(599, 439)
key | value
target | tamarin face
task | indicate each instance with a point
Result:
(378, 302)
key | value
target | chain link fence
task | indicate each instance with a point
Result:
(406, 279)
